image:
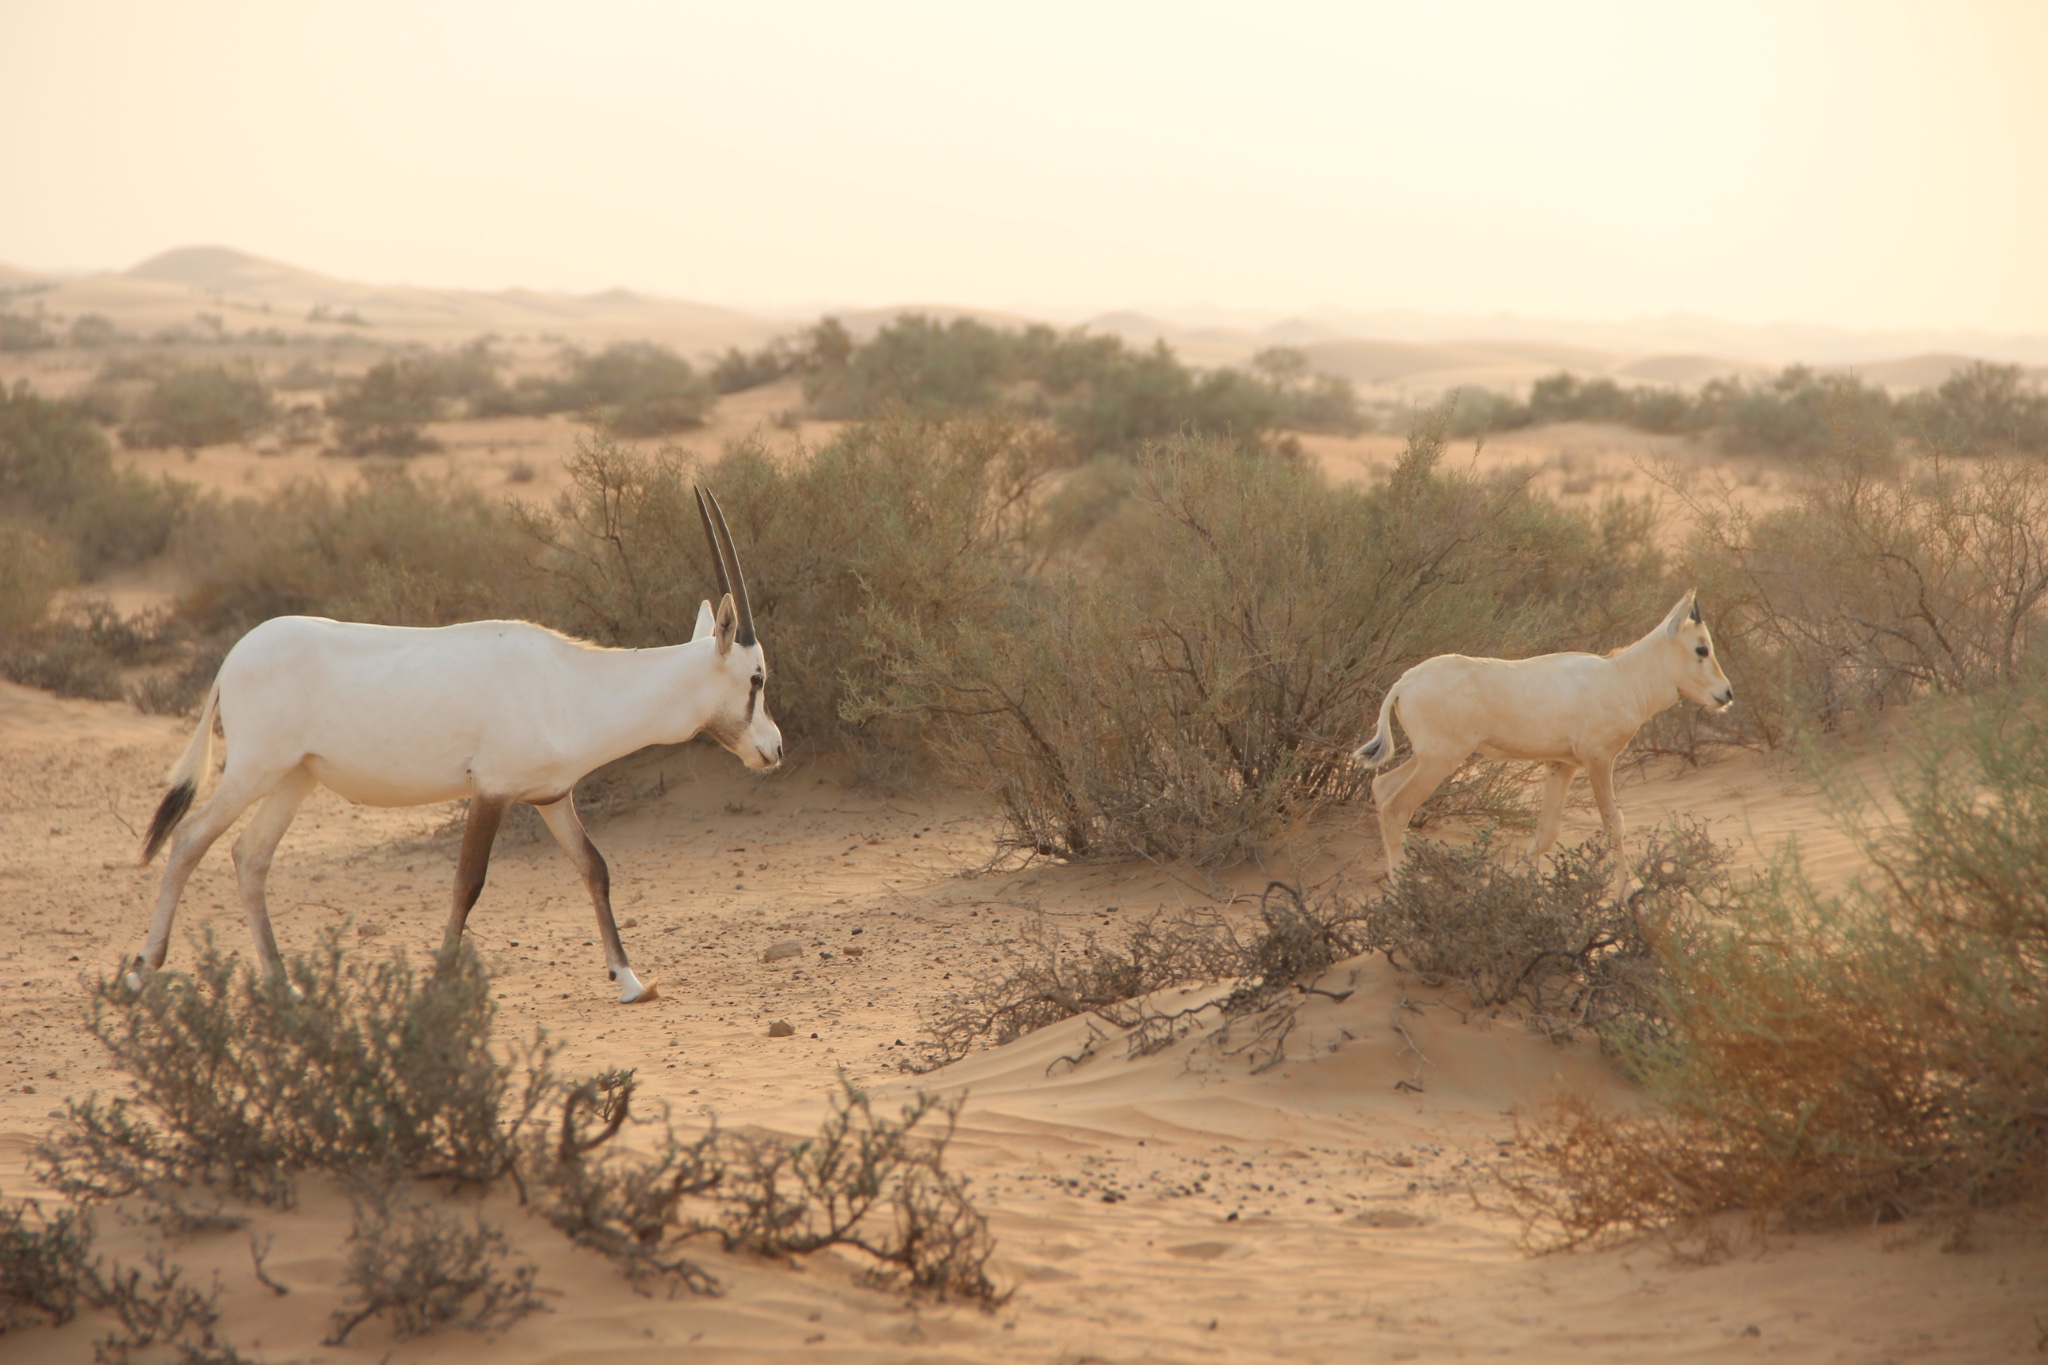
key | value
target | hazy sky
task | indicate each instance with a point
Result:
(1867, 163)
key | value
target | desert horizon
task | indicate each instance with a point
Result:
(1058, 686)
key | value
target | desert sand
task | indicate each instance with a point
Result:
(1174, 1207)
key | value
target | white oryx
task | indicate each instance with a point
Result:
(1570, 711)
(496, 711)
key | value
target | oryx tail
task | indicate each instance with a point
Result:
(1380, 747)
(184, 777)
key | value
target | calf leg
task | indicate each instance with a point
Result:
(188, 845)
(1600, 774)
(567, 828)
(1417, 778)
(252, 854)
(479, 832)
(1556, 783)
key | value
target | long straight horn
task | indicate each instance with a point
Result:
(717, 551)
(739, 580)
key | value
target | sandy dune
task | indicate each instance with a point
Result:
(1179, 1207)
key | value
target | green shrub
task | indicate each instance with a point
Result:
(737, 370)
(19, 332)
(1198, 671)
(632, 388)
(391, 549)
(1981, 409)
(242, 1080)
(1872, 589)
(46, 1263)
(201, 406)
(1843, 1057)
(32, 569)
(1797, 414)
(57, 473)
(382, 411)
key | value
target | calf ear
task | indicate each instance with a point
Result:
(706, 623)
(1686, 610)
(728, 624)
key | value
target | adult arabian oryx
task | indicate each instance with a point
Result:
(1570, 711)
(496, 711)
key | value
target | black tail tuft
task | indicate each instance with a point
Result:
(169, 812)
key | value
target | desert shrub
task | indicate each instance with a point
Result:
(920, 515)
(1047, 976)
(391, 548)
(382, 411)
(866, 1182)
(1842, 1056)
(90, 331)
(57, 475)
(32, 569)
(201, 406)
(1797, 414)
(1872, 588)
(303, 375)
(422, 1269)
(1981, 409)
(243, 1079)
(922, 363)
(1309, 401)
(631, 388)
(46, 1263)
(1480, 411)
(24, 332)
(1133, 397)
(1550, 939)
(738, 370)
(1201, 669)
(468, 375)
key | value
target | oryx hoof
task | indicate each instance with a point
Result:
(132, 979)
(631, 990)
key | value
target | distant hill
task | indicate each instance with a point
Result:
(14, 277)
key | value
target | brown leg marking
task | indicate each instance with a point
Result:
(479, 832)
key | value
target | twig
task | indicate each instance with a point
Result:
(257, 1251)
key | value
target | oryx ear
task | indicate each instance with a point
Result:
(706, 623)
(727, 625)
(1686, 610)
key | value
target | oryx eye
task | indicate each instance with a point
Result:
(1701, 650)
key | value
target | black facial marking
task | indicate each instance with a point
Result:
(754, 697)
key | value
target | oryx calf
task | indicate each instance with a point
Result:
(496, 711)
(1570, 711)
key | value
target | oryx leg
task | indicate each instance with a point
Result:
(1600, 774)
(479, 832)
(1407, 787)
(235, 794)
(567, 827)
(1556, 782)
(252, 853)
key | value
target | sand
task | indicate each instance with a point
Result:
(1175, 1207)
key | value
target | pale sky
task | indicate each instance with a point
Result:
(1867, 164)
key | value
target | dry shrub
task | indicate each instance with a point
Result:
(391, 549)
(423, 1270)
(1839, 1057)
(82, 652)
(33, 567)
(242, 1080)
(49, 1271)
(925, 517)
(1550, 938)
(866, 1182)
(1874, 587)
(45, 1263)
(1047, 976)
(1196, 671)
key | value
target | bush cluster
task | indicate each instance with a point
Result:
(1102, 396)
(1196, 665)
(1836, 1057)
(201, 405)
(1982, 409)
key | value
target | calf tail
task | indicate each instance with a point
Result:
(1380, 747)
(184, 777)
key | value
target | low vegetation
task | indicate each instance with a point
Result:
(1842, 1057)
(1981, 409)
(392, 1080)
(201, 405)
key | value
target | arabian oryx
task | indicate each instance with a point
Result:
(496, 711)
(1569, 711)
